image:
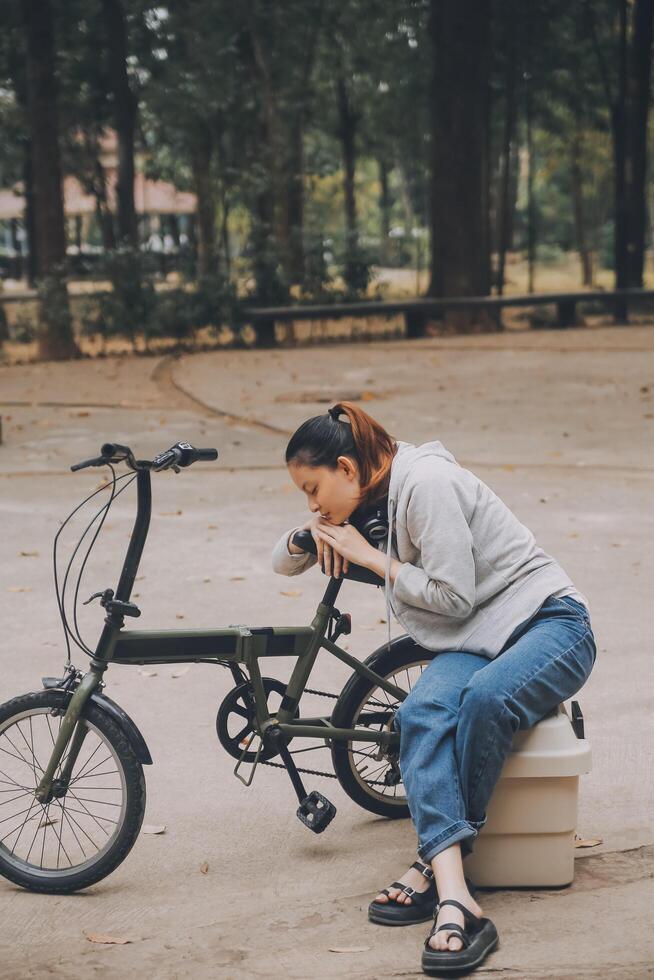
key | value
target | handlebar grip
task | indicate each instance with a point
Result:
(206, 454)
(355, 573)
(98, 461)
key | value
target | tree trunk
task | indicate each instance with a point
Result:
(224, 231)
(460, 261)
(294, 223)
(619, 120)
(201, 156)
(384, 212)
(125, 111)
(576, 180)
(638, 83)
(30, 221)
(505, 213)
(347, 124)
(102, 210)
(56, 340)
(531, 203)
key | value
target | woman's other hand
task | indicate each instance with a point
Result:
(330, 561)
(347, 542)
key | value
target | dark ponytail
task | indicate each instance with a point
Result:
(322, 439)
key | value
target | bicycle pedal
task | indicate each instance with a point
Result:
(316, 812)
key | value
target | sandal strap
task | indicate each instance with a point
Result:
(425, 897)
(424, 869)
(457, 930)
(470, 916)
(451, 927)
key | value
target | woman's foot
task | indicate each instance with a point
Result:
(447, 939)
(412, 877)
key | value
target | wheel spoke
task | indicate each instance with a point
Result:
(82, 775)
(89, 759)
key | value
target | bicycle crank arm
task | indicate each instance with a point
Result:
(315, 810)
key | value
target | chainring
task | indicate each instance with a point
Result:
(236, 720)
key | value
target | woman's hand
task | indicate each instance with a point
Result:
(331, 563)
(346, 544)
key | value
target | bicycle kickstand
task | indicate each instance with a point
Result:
(315, 811)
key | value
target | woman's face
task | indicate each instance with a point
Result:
(332, 493)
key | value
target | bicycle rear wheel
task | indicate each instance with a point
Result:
(84, 833)
(369, 776)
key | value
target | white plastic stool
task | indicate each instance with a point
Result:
(528, 838)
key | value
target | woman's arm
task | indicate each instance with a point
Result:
(439, 529)
(287, 562)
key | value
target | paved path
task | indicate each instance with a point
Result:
(560, 425)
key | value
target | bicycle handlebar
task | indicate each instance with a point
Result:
(181, 454)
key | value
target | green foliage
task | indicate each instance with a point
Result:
(239, 103)
(129, 309)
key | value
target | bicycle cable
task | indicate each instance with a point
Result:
(109, 503)
(68, 633)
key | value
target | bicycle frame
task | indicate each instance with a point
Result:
(235, 644)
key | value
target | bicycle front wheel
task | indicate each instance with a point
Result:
(90, 826)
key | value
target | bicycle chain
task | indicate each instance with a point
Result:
(315, 772)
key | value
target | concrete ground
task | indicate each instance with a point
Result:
(559, 424)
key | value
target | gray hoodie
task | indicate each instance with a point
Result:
(470, 572)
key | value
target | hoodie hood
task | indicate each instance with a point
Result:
(406, 456)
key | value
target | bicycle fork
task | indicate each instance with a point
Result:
(73, 731)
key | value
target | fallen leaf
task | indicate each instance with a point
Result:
(97, 937)
(349, 949)
(148, 673)
(19, 588)
(589, 842)
(212, 527)
(204, 867)
(380, 620)
(291, 592)
(206, 579)
(82, 415)
(28, 554)
(237, 578)
(181, 672)
(169, 513)
(179, 615)
(153, 828)
(49, 822)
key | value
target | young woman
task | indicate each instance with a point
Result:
(465, 578)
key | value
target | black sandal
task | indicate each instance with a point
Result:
(478, 938)
(419, 909)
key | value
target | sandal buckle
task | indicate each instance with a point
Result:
(408, 890)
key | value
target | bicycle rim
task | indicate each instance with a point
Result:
(70, 834)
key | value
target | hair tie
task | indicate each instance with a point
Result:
(334, 412)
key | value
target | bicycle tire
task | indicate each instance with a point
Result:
(75, 878)
(404, 654)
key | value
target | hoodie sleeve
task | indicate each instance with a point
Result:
(438, 527)
(285, 563)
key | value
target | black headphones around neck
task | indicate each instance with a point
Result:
(372, 521)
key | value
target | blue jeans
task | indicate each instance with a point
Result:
(457, 724)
